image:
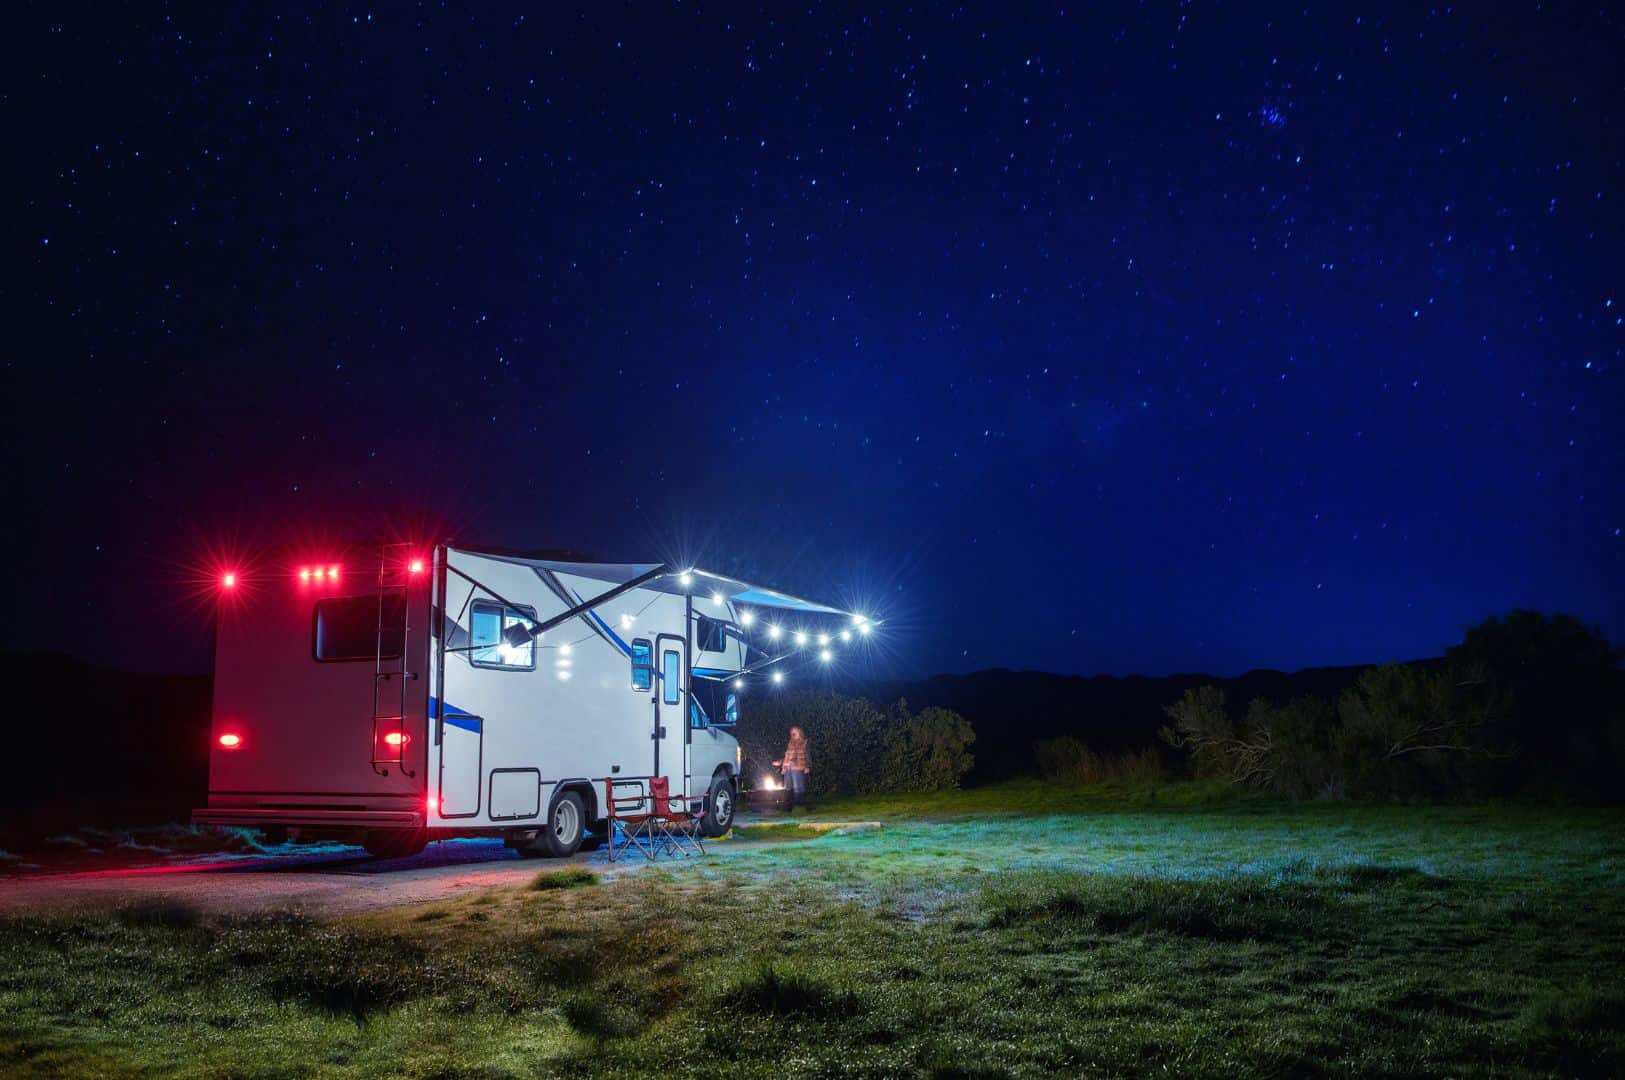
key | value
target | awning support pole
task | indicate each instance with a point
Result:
(518, 634)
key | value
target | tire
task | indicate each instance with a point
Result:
(720, 806)
(566, 826)
(394, 843)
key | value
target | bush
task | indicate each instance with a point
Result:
(1068, 760)
(1399, 732)
(856, 747)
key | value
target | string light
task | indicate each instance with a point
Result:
(778, 677)
(823, 639)
(801, 637)
(739, 684)
(746, 618)
(846, 635)
(826, 656)
(716, 598)
(773, 632)
(685, 578)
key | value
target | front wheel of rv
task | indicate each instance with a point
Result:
(394, 843)
(566, 827)
(719, 807)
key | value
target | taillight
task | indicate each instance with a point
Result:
(228, 580)
(416, 566)
(230, 740)
(396, 738)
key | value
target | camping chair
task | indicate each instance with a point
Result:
(680, 824)
(634, 813)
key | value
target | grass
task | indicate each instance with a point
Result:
(1127, 933)
(574, 878)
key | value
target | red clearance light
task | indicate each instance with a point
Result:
(229, 579)
(416, 566)
(332, 573)
(231, 740)
(304, 573)
(433, 803)
(395, 738)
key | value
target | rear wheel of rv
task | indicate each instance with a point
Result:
(566, 826)
(394, 843)
(719, 807)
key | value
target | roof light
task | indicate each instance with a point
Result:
(746, 618)
(231, 740)
(778, 677)
(304, 573)
(826, 656)
(229, 579)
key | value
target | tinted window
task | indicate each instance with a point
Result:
(671, 676)
(713, 634)
(486, 624)
(643, 664)
(346, 627)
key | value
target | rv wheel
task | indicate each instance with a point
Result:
(564, 831)
(719, 807)
(394, 843)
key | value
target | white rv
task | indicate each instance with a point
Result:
(423, 692)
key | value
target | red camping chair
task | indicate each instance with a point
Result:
(679, 825)
(638, 828)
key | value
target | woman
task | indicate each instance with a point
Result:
(794, 763)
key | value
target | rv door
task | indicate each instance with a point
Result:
(671, 711)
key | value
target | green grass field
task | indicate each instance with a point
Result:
(1006, 930)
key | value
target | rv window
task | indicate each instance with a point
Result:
(486, 622)
(671, 676)
(643, 664)
(730, 710)
(347, 628)
(713, 634)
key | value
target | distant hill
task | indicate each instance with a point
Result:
(1010, 710)
(93, 745)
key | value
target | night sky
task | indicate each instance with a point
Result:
(1163, 338)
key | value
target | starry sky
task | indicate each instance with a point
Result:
(1140, 338)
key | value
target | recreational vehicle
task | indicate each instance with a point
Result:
(397, 696)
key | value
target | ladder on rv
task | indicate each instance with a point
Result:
(390, 675)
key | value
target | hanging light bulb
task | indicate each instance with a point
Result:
(826, 656)
(846, 635)
(773, 632)
(778, 677)
(823, 639)
(801, 637)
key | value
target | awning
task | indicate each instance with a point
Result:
(699, 583)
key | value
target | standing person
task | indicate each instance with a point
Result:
(795, 763)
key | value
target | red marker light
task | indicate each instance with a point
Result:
(433, 803)
(416, 566)
(304, 573)
(333, 573)
(395, 738)
(231, 740)
(229, 579)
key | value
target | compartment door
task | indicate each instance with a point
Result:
(462, 741)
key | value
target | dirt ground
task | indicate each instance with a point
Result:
(320, 880)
